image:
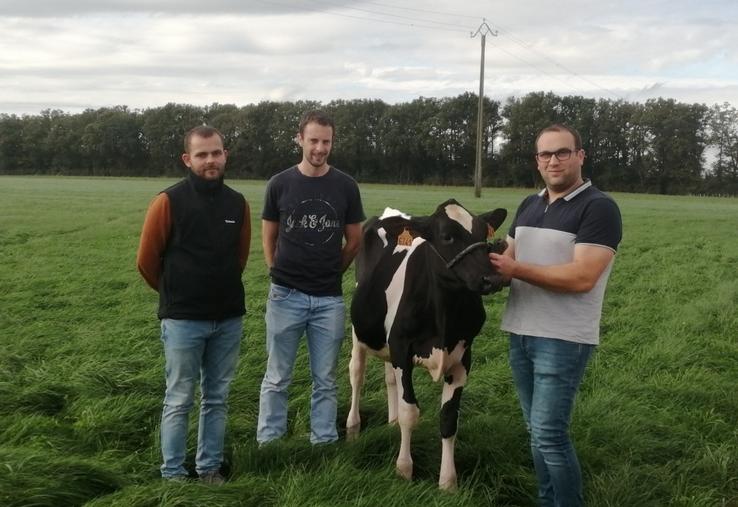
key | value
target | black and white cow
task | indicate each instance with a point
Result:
(418, 301)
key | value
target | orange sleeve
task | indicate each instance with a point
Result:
(154, 238)
(245, 246)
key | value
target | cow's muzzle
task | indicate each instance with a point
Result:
(492, 284)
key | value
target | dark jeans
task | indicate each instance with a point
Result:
(547, 373)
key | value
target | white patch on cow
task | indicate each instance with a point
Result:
(407, 417)
(392, 212)
(382, 233)
(440, 361)
(394, 290)
(456, 212)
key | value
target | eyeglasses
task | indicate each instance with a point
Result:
(561, 155)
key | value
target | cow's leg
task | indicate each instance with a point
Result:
(453, 386)
(357, 367)
(408, 413)
(391, 382)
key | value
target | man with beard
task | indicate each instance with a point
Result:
(193, 250)
(309, 210)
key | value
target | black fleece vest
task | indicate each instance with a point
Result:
(202, 275)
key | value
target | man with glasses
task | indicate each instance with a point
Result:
(561, 248)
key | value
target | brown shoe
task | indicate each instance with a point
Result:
(212, 478)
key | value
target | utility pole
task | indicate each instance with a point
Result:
(483, 30)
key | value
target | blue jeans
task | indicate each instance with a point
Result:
(547, 373)
(290, 314)
(197, 349)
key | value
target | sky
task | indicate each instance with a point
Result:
(79, 54)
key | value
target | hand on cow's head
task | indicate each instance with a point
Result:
(497, 246)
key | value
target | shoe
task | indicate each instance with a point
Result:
(212, 478)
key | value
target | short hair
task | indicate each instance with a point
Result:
(560, 127)
(318, 117)
(201, 131)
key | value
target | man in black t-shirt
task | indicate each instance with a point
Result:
(311, 232)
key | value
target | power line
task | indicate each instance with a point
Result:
(530, 48)
(510, 35)
(381, 13)
(363, 18)
(532, 65)
(425, 11)
(419, 22)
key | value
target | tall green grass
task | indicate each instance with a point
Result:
(81, 369)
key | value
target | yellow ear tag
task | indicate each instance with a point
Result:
(405, 239)
(490, 231)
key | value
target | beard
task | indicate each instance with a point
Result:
(212, 172)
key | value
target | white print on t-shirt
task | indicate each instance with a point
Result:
(314, 221)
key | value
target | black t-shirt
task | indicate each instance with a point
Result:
(312, 213)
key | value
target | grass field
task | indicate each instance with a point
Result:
(81, 369)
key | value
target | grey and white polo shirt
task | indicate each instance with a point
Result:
(546, 235)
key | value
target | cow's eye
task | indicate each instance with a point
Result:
(447, 239)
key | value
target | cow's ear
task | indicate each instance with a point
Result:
(495, 218)
(394, 225)
(421, 225)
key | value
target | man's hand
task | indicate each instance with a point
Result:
(505, 266)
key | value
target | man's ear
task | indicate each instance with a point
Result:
(186, 159)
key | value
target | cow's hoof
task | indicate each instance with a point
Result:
(352, 432)
(404, 469)
(448, 485)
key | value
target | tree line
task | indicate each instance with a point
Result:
(660, 146)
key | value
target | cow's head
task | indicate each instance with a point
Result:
(461, 241)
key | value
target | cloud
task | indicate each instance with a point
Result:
(69, 8)
(78, 54)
